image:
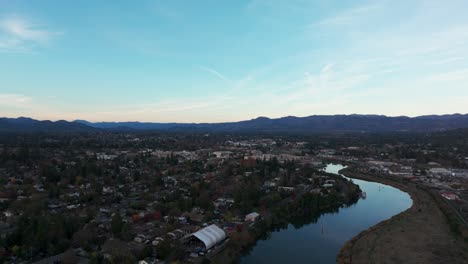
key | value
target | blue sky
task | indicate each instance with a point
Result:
(212, 61)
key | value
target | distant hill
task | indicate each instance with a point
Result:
(132, 125)
(289, 124)
(310, 124)
(24, 124)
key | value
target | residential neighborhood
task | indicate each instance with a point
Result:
(151, 198)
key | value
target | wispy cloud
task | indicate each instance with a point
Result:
(349, 16)
(456, 75)
(280, 8)
(15, 100)
(21, 35)
(214, 72)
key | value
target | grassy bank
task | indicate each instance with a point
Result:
(428, 232)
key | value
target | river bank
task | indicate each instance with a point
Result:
(421, 234)
(296, 212)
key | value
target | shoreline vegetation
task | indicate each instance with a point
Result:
(427, 232)
(297, 212)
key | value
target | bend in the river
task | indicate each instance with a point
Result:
(321, 241)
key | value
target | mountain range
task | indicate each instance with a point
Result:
(25, 124)
(289, 124)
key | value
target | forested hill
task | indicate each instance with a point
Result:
(310, 124)
(290, 124)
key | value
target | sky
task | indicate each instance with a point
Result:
(215, 61)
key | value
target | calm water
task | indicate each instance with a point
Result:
(309, 244)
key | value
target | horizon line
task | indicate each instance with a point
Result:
(135, 121)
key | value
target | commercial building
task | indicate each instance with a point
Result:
(210, 236)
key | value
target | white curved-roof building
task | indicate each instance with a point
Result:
(210, 235)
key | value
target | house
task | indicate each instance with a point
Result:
(285, 189)
(439, 172)
(222, 154)
(269, 184)
(449, 196)
(252, 217)
(157, 240)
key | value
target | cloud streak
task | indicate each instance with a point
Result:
(350, 16)
(21, 35)
(15, 101)
(214, 72)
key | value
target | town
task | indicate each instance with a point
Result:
(117, 197)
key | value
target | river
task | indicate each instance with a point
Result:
(321, 241)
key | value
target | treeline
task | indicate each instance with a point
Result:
(41, 235)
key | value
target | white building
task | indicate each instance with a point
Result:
(252, 217)
(439, 172)
(222, 154)
(210, 236)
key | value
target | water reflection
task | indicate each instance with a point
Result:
(318, 239)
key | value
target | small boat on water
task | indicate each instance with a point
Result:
(363, 195)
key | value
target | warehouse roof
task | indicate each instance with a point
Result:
(210, 235)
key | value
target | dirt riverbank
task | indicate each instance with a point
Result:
(421, 234)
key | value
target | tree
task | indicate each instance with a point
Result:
(116, 224)
(164, 249)
(204, 200)
(96, 258)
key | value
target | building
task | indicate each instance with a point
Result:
(440, 172)
(286, 189)
(252, 217)
(449, 195)
(210, 236)
(222, 154)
